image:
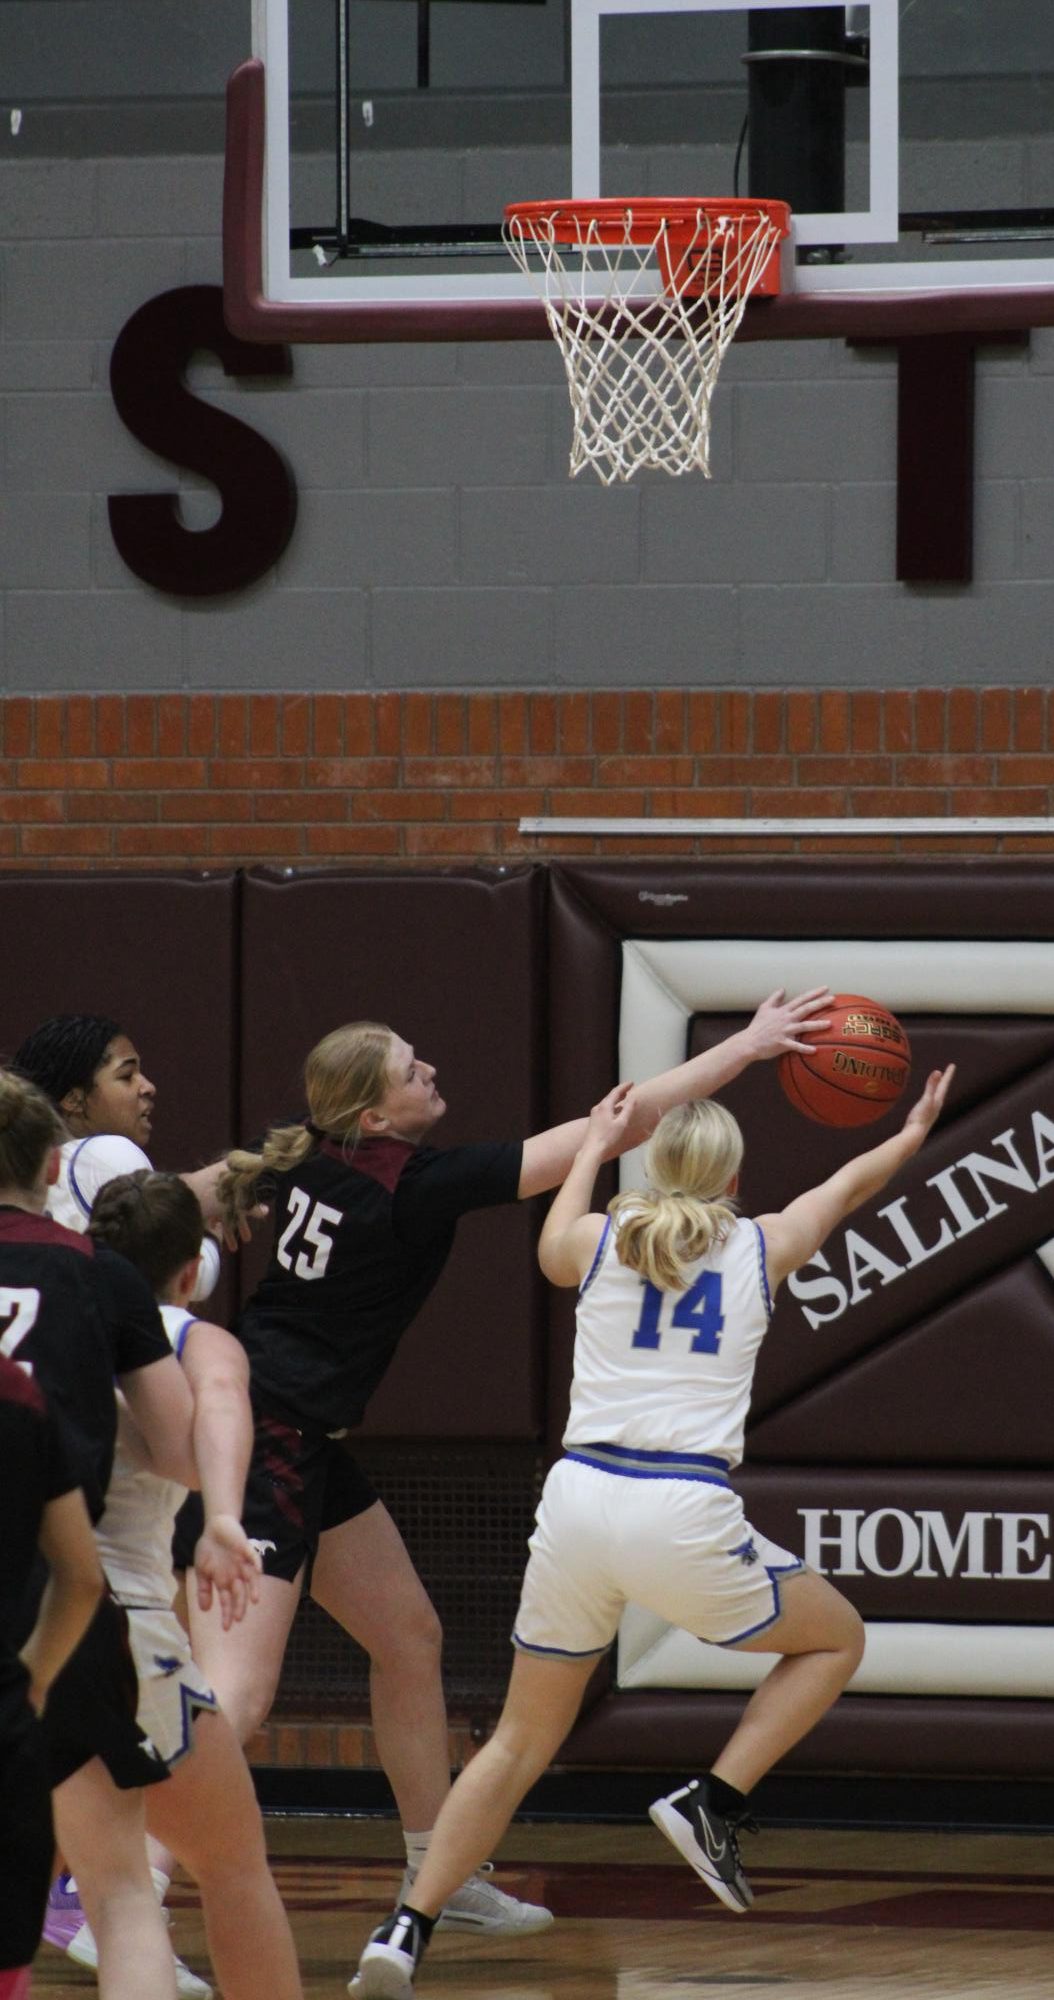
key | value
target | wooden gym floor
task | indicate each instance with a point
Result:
(839, 1916)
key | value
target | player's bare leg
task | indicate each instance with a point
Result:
(208, 1816)
(102, 1834)
(543, 1700)
(822, 1640)
(242, 1665)
(364, 1578)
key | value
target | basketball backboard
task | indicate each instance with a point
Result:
(372, 150)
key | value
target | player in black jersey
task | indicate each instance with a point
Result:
(365, 1212)
(44, 1515)
(77, 1317)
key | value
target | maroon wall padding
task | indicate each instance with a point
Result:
(902, 1735)
(921, 1392)
(984, 897)
(157, 954)
(979, 1524)
(453, 962)
(895, 1406)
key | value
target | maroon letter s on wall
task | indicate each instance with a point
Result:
(257, 489)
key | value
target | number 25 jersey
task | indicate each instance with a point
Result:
(360, 1242)
(670, 1370)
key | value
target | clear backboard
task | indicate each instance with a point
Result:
(373, 148)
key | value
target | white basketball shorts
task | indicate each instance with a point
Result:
(675, 1542)
(172, 1687)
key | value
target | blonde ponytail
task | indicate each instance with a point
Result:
(345, 1074)
(284, 1147)
(692, 1159)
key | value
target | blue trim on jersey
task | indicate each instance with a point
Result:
(627, 1463)
(72, 1174)
(595, 1265)
(763, 1269)
(559, 1652)
(635, 1451)
(191, 1703)
(180, 1340)
(774, 1574)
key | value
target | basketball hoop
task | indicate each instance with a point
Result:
(643, 299)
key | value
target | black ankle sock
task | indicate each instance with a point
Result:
(724, 1798)
(427, 1924)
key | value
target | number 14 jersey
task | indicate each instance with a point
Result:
(670, 1370)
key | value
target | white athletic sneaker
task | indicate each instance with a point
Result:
(84, 1951)
(479, 1905)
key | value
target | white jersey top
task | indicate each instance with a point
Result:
(670, 1371)
(85, 1165)
(134, 1536)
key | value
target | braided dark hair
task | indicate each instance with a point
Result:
(153, 1219)
(64, 1053)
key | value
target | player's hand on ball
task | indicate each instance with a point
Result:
(780, 1024)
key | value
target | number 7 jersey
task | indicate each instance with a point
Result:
(670, 1370)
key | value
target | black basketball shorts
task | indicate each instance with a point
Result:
(90, 1711)
(299, 1484)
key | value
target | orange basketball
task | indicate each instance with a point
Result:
(856, 1067)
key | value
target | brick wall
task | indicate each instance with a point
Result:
(122, 781)
(294, 1742)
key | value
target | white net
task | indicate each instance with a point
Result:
(642, 351)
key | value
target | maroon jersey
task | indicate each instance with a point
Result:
(35, 1468)
(360, 1241)
(75, 1315)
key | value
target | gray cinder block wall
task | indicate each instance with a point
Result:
(439, 541)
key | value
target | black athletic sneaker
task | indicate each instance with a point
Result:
(389, 1961)
(707, 1839)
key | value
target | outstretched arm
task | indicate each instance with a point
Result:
(225, 1562)
(778, 1026)
(796, 1233)
(570, 1234)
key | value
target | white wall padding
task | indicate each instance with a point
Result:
(1015, 1660)
(665, 982)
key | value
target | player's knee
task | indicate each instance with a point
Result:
(425, 1632)
(416, 1638)
(246, 1695)
(858, 1637)
(850, 1637)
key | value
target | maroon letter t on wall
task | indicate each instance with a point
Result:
(258, 492)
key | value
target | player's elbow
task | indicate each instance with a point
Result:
(182, 1467)
(556, 1266)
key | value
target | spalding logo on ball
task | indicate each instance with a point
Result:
(856, 1067)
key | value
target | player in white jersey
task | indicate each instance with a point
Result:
(91, 1071)
(209, 1819)
(675, 1297)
